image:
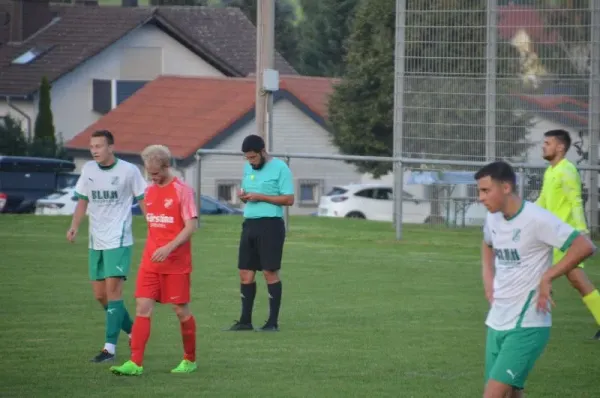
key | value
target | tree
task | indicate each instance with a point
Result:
(323, 33)
(44, 139)
(286, 35)
(443, 60)
(12, 137)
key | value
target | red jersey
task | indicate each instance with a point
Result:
(167, 209)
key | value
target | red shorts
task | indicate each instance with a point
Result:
(163, 288)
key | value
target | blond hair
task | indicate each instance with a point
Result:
(157, 154)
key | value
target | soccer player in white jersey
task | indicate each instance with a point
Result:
(518, 241)
(106, 188)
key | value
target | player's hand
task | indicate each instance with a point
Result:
(241, 193)
(71, 234)
(489, 295)
(545, 296)
(252, 197)
(161, 254)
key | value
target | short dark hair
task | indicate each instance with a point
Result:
(110, 139)
(562, 136)
(253, 143)
(499, 171)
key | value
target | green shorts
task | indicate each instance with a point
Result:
(511, 354)
(110, 263)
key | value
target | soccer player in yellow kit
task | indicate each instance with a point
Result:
(561, 195)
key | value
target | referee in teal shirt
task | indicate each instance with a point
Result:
(267, 186)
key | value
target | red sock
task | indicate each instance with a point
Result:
(139, 337)
(188, 334)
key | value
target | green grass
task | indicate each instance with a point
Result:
(362, 316)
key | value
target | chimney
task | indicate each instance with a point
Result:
(129, 3)
(5, 10)
(27, 17)
(86, 2)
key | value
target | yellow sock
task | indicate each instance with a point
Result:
(592, 301)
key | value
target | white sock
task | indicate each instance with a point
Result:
(129, 335)
(110, 348)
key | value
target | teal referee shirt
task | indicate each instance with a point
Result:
(273, 179)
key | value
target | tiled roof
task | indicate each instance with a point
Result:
(223, 36)
(512, 18)
(187, 113)
(558, 108)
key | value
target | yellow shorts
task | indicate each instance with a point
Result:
(558, 255)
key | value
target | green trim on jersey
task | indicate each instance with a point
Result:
(569, 241)
(122, 235)
(525, 308)
(140, 197)
(80, 196)
(518, 211)
(105, 168)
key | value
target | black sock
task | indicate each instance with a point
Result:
(274, 302)
(248, 293)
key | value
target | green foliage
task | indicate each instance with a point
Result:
(444, 101)
(324, 31)
(13, 141)
(44, 138)
(12, 137)
(361, 107)
(286, 34)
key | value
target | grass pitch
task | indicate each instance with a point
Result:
(362, 316)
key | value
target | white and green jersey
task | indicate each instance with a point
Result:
(110, 192)
(523, 248)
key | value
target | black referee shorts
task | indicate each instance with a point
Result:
(261, 244)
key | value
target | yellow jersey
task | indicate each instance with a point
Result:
(561, 194)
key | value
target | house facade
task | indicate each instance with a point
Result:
(93, 70)
(218, 113)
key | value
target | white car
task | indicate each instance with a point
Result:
(371, 202)
(60, 203)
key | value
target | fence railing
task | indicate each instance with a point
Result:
(435, 192)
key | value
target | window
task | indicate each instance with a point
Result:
(26, 57)
(30, 55)
(376, 193)
(309, 192)
(366, 193)
(226, 191)
(382, 194)
(336, 191)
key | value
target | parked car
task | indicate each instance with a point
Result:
(59, 203)
(24, 180)
(208, 206)
(371, 202)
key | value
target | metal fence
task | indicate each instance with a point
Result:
(434, 192)
(486, 82)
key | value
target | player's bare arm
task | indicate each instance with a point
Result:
(279, 200)
(142, 204)
(487, 270)
(78, 215)
(186, 233)
(581, 248)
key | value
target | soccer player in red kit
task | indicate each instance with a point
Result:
(164, 274)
